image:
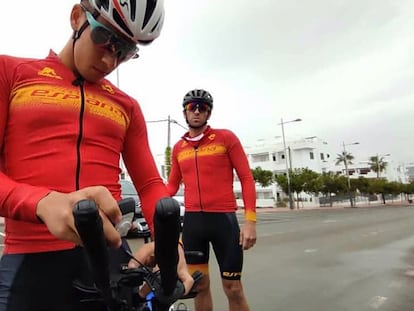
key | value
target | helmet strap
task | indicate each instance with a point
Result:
(76, 35)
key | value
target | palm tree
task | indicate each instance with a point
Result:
(345, 158)
(377, 164)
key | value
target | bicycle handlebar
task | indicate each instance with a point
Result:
(167, 233)
(88, 223)
(121, 293)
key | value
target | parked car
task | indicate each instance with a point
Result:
(140, 228)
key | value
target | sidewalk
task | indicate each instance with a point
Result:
(336, 206)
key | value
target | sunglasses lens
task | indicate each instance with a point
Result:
(202, 107)
(100, 35)
(103, 36)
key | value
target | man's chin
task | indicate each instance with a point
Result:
(196, 125)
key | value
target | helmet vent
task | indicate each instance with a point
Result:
(156, 24)
(103, 3)
(151, 4)
(118, 19)
(133, 9)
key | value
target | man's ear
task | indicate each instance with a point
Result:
(77, 17)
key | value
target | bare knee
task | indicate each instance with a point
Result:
(233, 289)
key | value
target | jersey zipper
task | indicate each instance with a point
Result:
(198, 177)
(80, 134)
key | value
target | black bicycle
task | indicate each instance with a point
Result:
(116, 286)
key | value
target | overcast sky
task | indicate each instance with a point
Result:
(345, 67)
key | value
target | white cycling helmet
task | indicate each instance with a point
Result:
(139, 20)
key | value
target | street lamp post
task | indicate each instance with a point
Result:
(169, 121)
(347, 171)
(287, 160)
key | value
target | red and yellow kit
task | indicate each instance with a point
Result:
(206, 168)
(59, 135)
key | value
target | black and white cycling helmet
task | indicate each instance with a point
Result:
(139, 20)
(198, 95)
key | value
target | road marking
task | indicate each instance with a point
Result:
(328, 221)
(395, 284)
(310, 250)
(372, 233)
(377, 301)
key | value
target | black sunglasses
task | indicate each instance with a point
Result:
(193, 106)
(105, 37)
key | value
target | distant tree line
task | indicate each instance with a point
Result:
(331, 185)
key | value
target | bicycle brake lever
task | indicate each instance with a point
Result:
(127, 207)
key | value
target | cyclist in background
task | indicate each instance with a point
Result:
(63, 127)
(204, 160)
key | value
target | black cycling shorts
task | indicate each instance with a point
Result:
(44, 281)
(40, 281)
(223, 232)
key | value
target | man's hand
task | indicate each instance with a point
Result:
(55, 210)
(145, 255)
(248, 234)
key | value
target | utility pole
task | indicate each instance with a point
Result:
(286, 153)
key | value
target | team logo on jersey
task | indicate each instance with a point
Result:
(108, 88)
(49, 72)
(211, 136)
(53, 96)
(209, 150)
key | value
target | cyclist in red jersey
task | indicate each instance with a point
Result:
(204, 160)
(63, 127)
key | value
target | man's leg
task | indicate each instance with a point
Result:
(229, 256)
(195, 239)
(203, 301)
(235, 295)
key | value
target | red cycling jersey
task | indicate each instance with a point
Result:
(59, 135)
(206, 168)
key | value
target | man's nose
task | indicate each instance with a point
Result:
(110, 59)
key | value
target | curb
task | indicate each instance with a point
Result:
(286, 209)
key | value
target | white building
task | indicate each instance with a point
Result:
(312, 153)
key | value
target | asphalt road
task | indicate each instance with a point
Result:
(328, 260)
(332, 260)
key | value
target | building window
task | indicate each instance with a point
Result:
(260, 157)
(311, 155)
(364, 171)
(283, 156)
(274, 157)
(322, 157)
(264, 195)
